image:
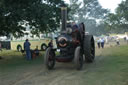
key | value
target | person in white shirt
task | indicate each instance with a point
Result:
(117, 41)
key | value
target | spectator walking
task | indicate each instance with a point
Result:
(124, 38)
(102, 42)
(98, 43)
(27, 49)
(117, 41)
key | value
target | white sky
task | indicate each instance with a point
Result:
(110, 4)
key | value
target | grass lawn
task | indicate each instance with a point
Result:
(13, 59)
(109, 68)
(14, 62)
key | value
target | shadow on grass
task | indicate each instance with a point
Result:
(14, 60)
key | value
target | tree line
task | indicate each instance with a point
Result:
(118, 22)
(45, 16)
(39, 15)
(98, 20)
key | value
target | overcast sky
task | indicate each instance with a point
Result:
(110, 4)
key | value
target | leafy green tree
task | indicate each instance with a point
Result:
(40, 15)
(118, 22)
(89, 12)
(74, 9)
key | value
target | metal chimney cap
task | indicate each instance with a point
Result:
(63, 8)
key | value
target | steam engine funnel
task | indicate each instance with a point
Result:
(64, 17)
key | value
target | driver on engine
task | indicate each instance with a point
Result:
(75, 34)
(75, 26)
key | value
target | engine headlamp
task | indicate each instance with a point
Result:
(62, 41)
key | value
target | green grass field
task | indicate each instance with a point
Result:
(13, 65)
(109, 68)
(13, 60)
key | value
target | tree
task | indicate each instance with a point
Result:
(40, 15)
(89, 12)
(74, 8)
(118, 22)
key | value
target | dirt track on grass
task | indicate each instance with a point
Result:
(63, 74)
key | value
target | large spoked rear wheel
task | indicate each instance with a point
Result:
(49, 58)
(78, 58)
(89, 48)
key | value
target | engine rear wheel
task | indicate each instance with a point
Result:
(78, 58)
(89, 48)
(49, 58)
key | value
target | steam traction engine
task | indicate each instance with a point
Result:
(73, 45)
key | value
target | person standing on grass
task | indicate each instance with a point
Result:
(102, 42)
(124, 38)
(27, 49)
(117, 41)
(98, 42)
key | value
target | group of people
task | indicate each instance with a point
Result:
(100, 42)
(29, 52)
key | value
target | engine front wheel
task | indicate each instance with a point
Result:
(78, 58)
(49, 58)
